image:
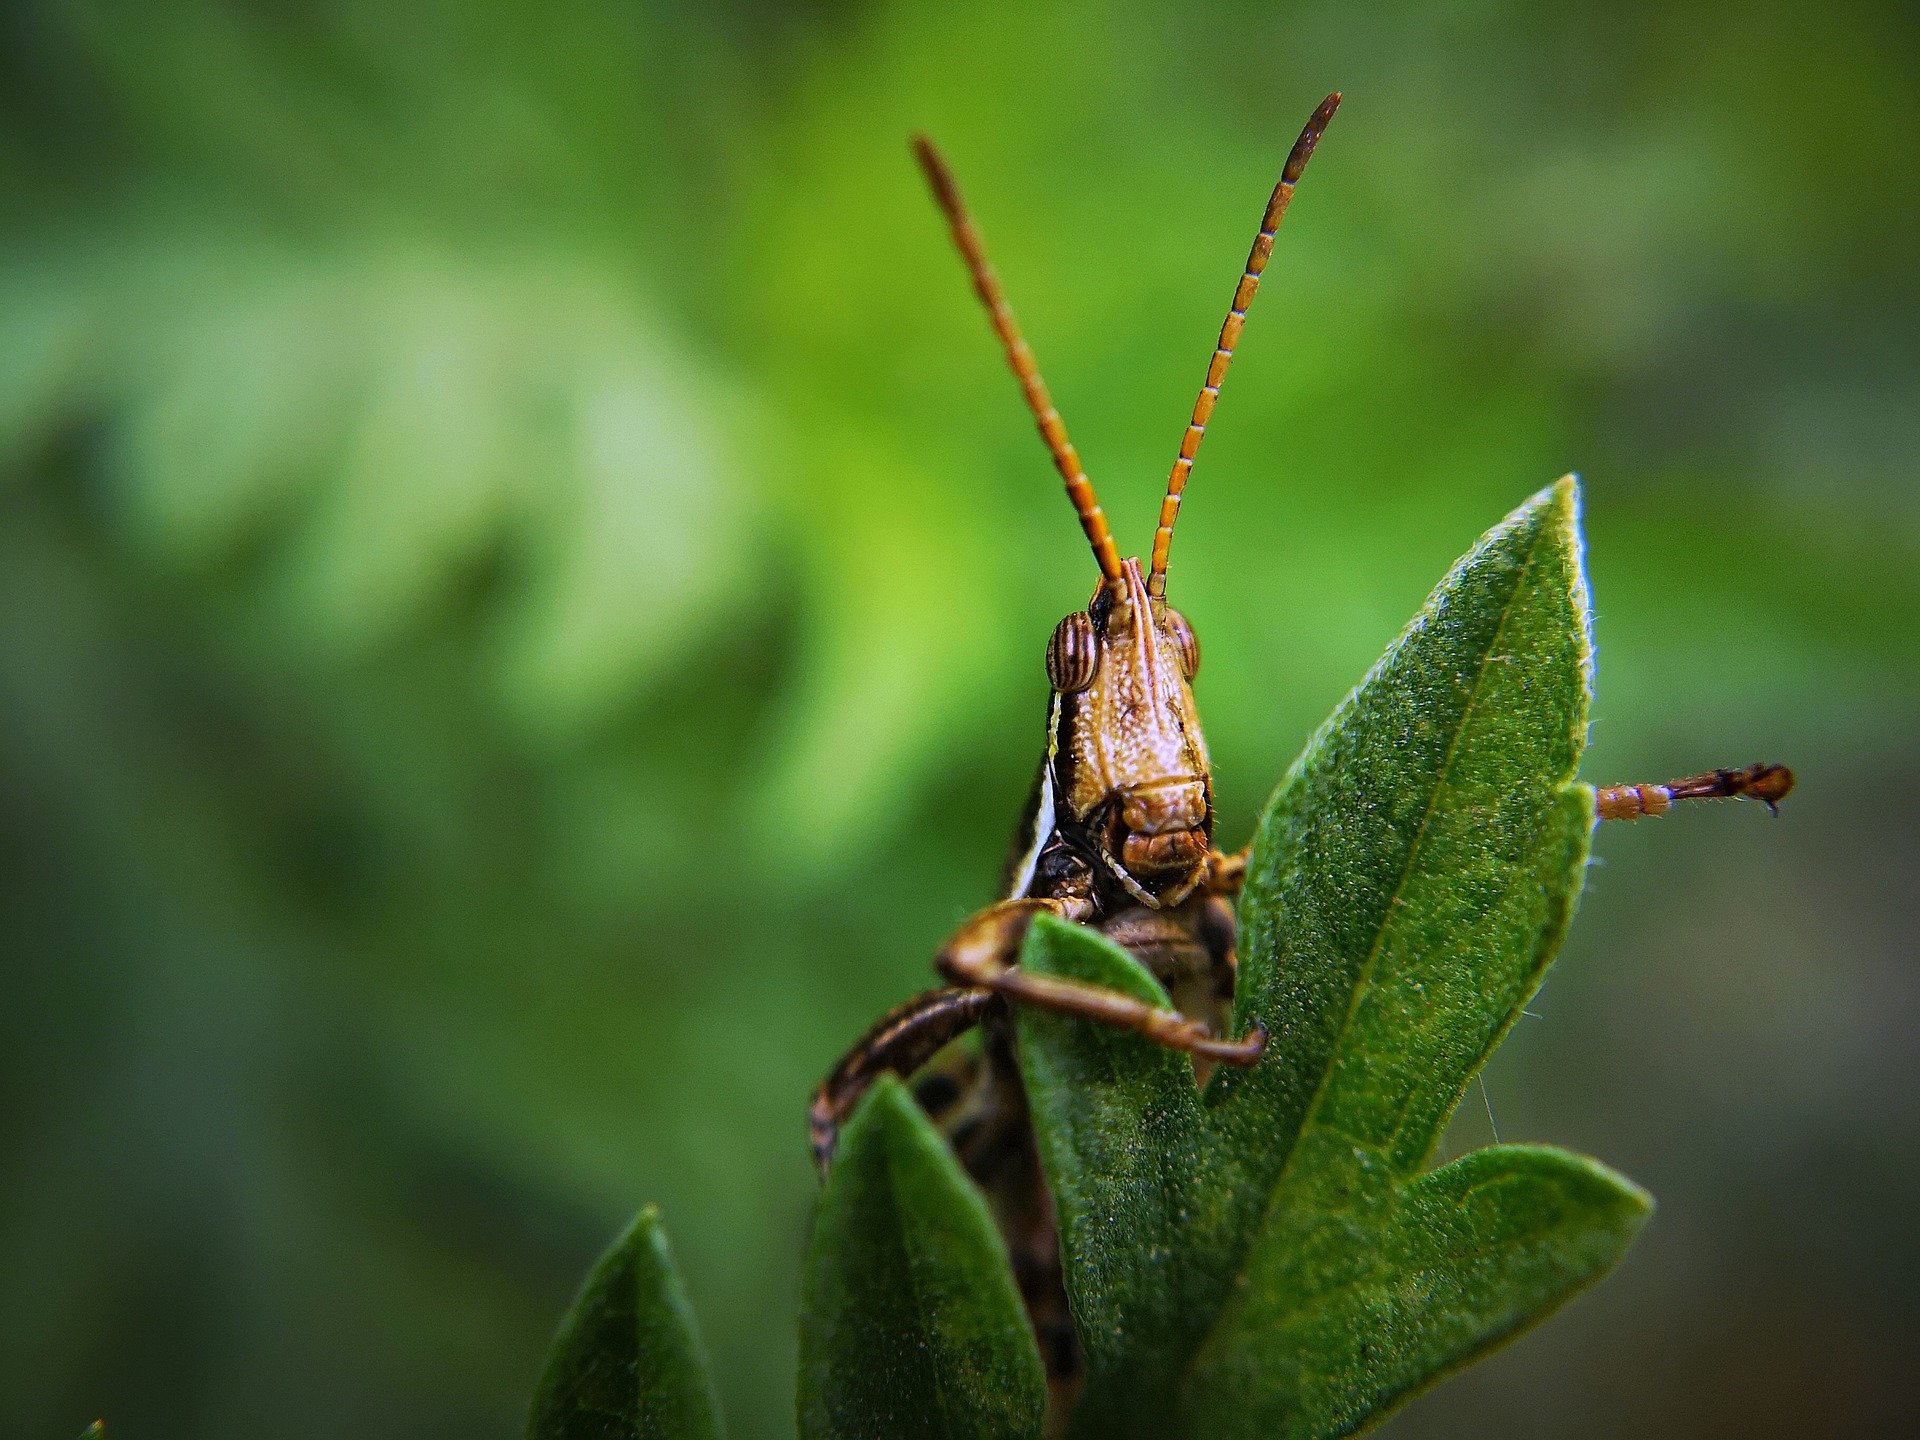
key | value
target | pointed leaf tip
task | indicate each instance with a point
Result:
(1414, 872)
(910, 1321)
(628, 1363)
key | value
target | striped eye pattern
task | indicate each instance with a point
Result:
(1073, 654)
(1186, 640)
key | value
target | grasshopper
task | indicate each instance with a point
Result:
(1117, 834)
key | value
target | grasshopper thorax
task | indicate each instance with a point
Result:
(1127, 765)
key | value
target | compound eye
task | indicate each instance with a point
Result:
(1073, 654)
(1186, 640)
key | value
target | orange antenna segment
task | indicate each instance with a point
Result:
(1230, 336)
(1065, 458)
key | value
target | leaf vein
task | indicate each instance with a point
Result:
(1406, 871)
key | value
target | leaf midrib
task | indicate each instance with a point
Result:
(1441, 785)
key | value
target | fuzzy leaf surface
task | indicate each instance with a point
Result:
(1392, 1288)
(628, 1363)
(910, 1323)
(1119, 1127)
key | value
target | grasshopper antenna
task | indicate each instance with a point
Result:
(986, 284)
(1230, 336)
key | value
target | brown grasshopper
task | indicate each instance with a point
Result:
(1118, 833)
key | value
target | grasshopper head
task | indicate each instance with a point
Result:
(1127, 779)
(1129, 764)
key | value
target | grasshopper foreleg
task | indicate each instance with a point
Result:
(982, 954)
(979, 964)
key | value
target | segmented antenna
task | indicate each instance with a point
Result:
(1230, 336)
(1065, 458)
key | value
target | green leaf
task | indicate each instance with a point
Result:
(96, 1431)
(1415, 871)
(1267, 1257)
(1119, 1126)
(1381, 1294)
(910, 1323)
(628, 1363)
(1408, 886)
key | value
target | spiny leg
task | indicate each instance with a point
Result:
(1769, 784)
(983, 953)
(900, 1042)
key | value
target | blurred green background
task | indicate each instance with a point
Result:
(522, 589)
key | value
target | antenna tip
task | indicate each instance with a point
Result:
(1303, 147)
